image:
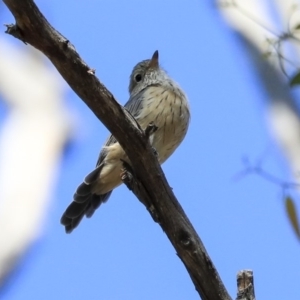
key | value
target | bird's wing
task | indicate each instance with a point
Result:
(133, 106)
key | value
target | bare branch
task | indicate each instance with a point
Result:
(245, 285)
(32, 28)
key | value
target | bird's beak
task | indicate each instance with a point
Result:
(154, 60)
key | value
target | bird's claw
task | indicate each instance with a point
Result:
(151, 128)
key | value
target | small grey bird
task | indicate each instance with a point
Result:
(154, 97)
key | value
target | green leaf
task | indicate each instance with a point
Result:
(297, 27)
(292, 215)
(295, 80)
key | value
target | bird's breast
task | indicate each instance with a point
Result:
(168, 109)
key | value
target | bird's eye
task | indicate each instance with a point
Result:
(138, 77)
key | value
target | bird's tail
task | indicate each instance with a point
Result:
(85, 202)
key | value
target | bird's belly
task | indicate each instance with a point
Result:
(110, 176)
(168, 137)
(170, 114)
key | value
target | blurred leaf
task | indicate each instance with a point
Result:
(295, 79)
(297, 27)
(292, 214)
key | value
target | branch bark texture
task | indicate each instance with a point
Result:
(245, 284)
(31, 27)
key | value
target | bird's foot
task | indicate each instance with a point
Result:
(127, 174)
(150, 129)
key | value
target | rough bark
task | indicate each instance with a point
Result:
(146, 179)
(245, 285)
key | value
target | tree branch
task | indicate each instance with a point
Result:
(245, 284)
(32, 28)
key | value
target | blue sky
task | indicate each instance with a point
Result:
(121, 253)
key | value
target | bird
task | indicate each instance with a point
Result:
(154, 98)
